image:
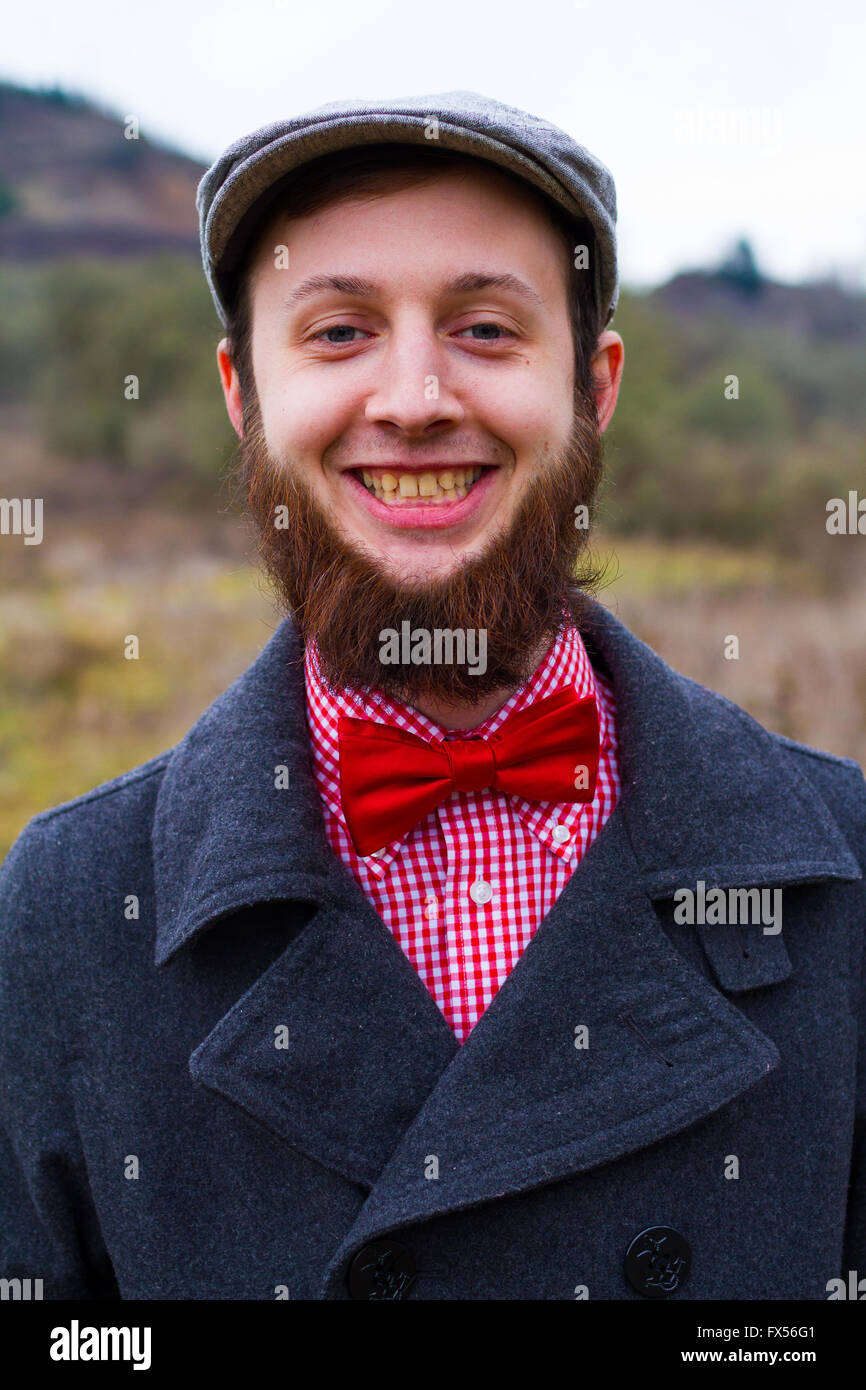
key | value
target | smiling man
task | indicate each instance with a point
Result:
(399, 976)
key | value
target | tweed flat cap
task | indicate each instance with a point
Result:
(234, 191)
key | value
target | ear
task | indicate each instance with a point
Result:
(607, 364)
(231, 388)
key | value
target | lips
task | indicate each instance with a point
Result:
(433, 511)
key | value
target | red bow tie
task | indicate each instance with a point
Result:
(390, 780)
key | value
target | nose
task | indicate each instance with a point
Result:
(412, 389)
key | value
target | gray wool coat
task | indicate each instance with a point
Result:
(222, 1078)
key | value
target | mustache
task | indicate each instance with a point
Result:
(534, 575)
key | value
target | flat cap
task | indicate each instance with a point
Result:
(235, 188)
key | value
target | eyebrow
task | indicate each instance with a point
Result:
(468, 283)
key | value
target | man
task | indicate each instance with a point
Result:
(444, 957)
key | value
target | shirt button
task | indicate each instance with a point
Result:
(480, 892)
(561, 833)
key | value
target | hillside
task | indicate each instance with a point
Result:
(71, 182)
(737, 290)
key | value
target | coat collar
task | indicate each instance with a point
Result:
(373, 1083)
(226, 834)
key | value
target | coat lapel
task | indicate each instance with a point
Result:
(363, 1041)
(362, 1046)
(372, 1082)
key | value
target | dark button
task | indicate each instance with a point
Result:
(382, 1269)
(658, 1261)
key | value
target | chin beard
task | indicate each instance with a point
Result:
(521, 589)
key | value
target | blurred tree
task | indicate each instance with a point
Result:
(8, 201)
(740, 270)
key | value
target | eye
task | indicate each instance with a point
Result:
(485, 336)
(338, 328)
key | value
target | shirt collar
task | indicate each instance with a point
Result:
(566, 663)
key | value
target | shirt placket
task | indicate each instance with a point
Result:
(460, 914)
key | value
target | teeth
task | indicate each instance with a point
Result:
(448, 486)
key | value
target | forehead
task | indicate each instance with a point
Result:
(422, 225)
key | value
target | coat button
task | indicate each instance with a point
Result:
(382, 1269)
(658, 1261)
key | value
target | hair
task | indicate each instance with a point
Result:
(371, 170)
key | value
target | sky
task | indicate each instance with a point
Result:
(717, 118)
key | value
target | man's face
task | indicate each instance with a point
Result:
(382, 349)
(413, 378)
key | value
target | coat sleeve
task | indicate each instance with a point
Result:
(855, 1229)
(854, 1255)
(48, 1226)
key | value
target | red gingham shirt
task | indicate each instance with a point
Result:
(464, 891)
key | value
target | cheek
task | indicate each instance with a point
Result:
(528, 413)
(302, 417)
